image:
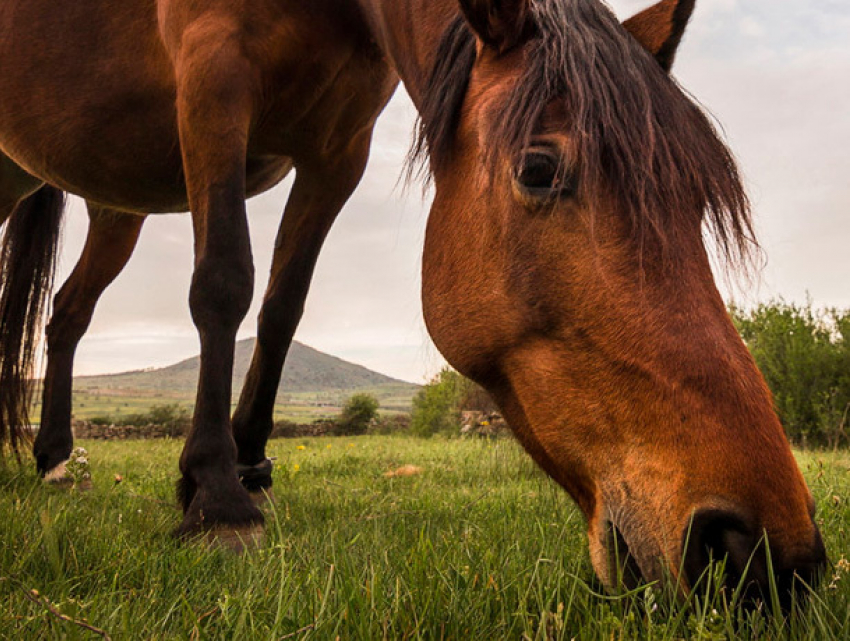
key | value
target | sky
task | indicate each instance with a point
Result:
(772, 72)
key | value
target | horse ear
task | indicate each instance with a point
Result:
(659, 29)
(497, 23)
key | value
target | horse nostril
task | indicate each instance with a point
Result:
(717, 535)
(714, 535)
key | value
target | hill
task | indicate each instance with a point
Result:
(310, 378)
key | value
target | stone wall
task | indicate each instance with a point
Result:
(85, 429)
(485, 424)
(282, 429)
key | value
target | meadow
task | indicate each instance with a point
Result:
(478, 545)
(300, 407)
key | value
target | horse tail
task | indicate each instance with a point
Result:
(27, 264)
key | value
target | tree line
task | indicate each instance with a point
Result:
(804, 354)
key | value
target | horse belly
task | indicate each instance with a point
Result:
(87, 101)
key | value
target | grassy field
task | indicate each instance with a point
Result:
(300, 407)
(479, 545)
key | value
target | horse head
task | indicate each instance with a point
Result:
(566, 270)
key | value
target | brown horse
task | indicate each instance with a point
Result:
(564, 264)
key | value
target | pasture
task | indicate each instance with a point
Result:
(301, 407)
(479, 545)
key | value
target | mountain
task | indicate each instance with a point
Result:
(307, 370)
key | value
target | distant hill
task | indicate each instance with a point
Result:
(307, 371)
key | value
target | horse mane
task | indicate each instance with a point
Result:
(635, 134)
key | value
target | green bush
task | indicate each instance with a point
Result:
(395, 424)
(804, 355)
(436, 407)
(358, 412)
(284, 428)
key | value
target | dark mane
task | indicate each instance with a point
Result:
(637, 136)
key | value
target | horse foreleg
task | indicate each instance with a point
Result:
(214, 106)
(318, 195)
(110, 242)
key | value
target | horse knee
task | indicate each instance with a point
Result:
(221, 292)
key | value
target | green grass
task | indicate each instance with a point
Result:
(480, 545)
(300, 407)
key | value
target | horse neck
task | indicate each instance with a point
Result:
(408, 32)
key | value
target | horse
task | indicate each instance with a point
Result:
(564, 267)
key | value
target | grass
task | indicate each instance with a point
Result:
(300, 407)
(480, 545)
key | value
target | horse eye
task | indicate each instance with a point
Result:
(537, 171)
(540, 175)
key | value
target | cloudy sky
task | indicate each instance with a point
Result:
(773, 72)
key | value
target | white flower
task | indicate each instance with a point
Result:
(82, 460)
(80, 451)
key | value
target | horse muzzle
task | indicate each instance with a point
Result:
(755, 569)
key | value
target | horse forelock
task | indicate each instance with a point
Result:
(637, 137)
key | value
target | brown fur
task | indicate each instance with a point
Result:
(635, 136)
(659, 29)
(590, 314)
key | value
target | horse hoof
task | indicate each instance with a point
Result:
(59, 477)
(235, 538)
(262, 497)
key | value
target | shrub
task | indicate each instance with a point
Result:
(284, 428)
(358, 412)
(173, 416)
(436, 407)
(804, 355)
(395, 424)
(289, 429)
